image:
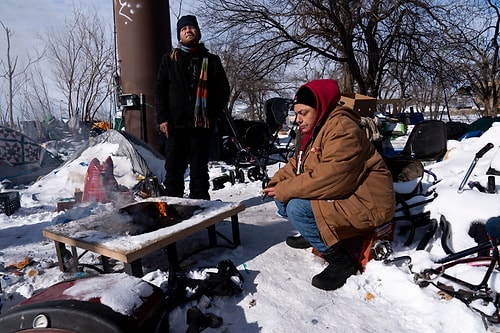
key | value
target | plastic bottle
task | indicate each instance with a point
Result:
(8, 280)
(69, 276)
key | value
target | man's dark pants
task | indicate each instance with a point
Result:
(187, 147)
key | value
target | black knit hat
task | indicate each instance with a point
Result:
(187, 20)
(305, 96)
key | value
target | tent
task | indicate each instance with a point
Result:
(22, 159)
(144, 159)
(133, 160)
(482, 124)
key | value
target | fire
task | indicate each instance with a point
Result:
(162, 208)
(153, 215)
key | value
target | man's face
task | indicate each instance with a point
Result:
(189, 35)
(305, 116)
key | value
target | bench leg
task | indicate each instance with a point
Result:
(134, 268)
(106, 267)
(172, 256)
(60, 261)
(212, 236)
(74, 260)
(236, 230)
(65, 263)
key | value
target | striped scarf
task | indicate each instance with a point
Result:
(200, 107)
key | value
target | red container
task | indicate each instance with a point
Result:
(64, 308)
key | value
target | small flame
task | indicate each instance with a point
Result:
(162, 208)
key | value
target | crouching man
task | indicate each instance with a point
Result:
(336, 186)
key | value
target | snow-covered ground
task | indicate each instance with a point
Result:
(277, 294)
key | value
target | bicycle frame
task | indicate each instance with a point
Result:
(481, 291)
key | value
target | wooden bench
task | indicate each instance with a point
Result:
(106, 234)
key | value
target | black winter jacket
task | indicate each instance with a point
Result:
(175, 96)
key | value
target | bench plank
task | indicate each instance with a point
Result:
(104, 234)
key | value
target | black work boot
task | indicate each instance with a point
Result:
(198, 321)
(297, 242)
(340, 267)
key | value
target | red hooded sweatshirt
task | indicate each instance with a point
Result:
(327, 95)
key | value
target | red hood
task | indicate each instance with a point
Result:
(327, 95)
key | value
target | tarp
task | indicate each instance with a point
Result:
(133, 161)
(16, 148)
(143, 158)
(22, 159)
(482, 124)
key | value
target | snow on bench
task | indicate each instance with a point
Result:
(137, 230)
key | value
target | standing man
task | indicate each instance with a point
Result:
(191, 91)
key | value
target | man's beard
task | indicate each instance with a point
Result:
(192, 42)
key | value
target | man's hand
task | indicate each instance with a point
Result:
(164, 129)
(269, 191)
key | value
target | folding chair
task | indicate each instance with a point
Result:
(427, 141)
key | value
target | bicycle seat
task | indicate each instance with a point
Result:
(493, 227)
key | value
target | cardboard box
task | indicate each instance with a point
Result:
(65, 204)
(365, 105)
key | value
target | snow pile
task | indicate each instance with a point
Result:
(277, 293)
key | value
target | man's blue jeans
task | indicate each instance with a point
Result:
(299, 213)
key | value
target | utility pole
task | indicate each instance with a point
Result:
(143, 36)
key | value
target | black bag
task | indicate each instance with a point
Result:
(227, 281)
(427, 141)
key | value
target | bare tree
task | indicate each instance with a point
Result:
(81, 55)
(461, 51)
(485, 58)
(358, 38)
(3, 102)
(36, 96)
(248, 79)
(15, 77)
(9, 74)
